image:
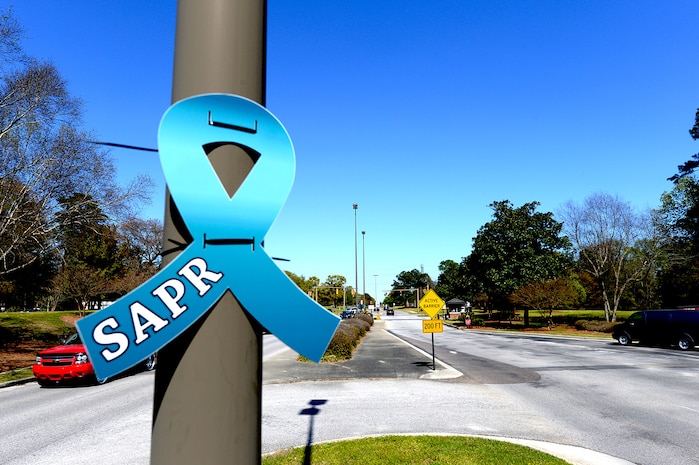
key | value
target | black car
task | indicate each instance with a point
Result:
(389, 311)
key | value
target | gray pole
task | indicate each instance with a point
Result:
(366, 302)
(356, 273)
(207, 403)
(376, 293)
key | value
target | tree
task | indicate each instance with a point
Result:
(677, 220)
(139, 247)
(45, 156)
(679, 213)
(29, 287)
(614, 244)
(549, 294)
(680, 207)
(306, 285)
(691, 165)
(405, 280)
(451, 282)
(518, 247)
(331, 291)
(413, 278)
(141, 242)
(10, 33)
(80, 283)
(91, 262)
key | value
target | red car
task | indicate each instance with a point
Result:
(69, 362)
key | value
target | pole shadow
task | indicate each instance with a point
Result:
(312, 411)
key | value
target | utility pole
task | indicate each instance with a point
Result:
(356, 272)
(366, 302)
(376, 295)
(207, 404)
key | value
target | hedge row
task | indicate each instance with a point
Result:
(347, 336)
(594, 325)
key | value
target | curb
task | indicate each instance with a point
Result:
(16, 382)
(573, 454)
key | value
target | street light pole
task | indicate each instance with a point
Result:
(220, 47)
(375, 293)
(356, 272)
(364, 272)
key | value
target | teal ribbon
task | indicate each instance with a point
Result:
(226, 252)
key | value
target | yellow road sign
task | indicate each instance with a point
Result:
(431, 303)
(432, 326)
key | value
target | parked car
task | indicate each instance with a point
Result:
(69, 362)
(346, 314)
(665, 327)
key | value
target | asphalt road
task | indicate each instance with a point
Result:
(635, 403)
(107, 424)
(638, 403)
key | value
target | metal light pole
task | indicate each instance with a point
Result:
(356, 272)
(364, 272)
(375, 293)
(207, 403)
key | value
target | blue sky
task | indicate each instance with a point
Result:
(423, 113)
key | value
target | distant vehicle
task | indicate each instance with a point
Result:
(346, 314)
(69, 362)
(390, 311)
(664, 327)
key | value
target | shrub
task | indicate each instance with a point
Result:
(341, 345)
(361, 325)
(366, 317)
(594, 325)
(346, 338)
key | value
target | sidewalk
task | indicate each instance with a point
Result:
(379, 355)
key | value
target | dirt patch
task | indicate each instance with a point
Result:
(70, 319)
(20, 355)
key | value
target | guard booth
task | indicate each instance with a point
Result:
(455, 307)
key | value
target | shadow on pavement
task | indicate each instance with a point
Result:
(312, 411)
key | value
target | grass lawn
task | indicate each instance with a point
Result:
(563, 321)
(397, 450)
(13, 375)
(42, 326)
